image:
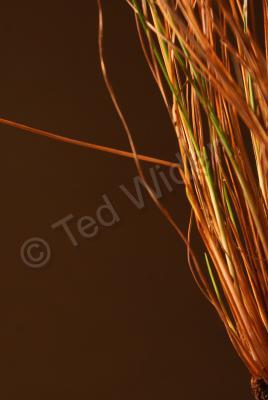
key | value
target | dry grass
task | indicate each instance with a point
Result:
(210, 65)
(211, 68)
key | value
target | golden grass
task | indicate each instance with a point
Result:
(210, 65)
(211, 68)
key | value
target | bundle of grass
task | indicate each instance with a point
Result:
(210, 64)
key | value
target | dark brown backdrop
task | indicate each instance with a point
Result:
(118, 316)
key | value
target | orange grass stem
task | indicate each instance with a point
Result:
(87, 145)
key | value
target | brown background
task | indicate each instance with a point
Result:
(119, 316)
